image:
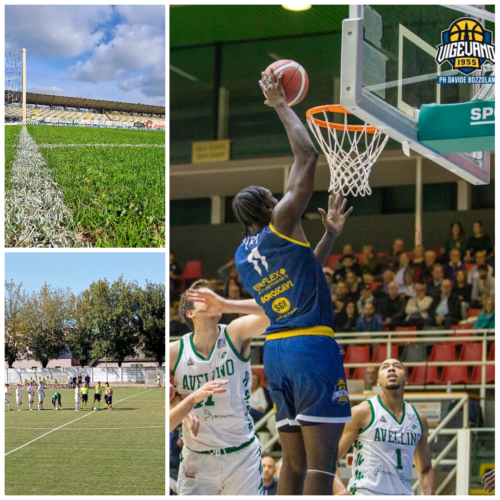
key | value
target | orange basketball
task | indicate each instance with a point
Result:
(295, 81)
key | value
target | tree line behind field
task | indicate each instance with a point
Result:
(114, 320)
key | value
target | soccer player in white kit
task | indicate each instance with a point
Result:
(19, 397)
(388, 435)
(224, 457)
(41, 395)
(7, 402)
(31, 394)
(77, 397)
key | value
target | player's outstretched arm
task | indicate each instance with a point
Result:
(361, 416)
(423, 461)
(334, 222)
(287, 214)
(247, 328)
(219, 305)
(184, 406)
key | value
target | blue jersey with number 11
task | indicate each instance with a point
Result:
(285, 277)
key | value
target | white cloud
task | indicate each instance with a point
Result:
(47, 90)
(151, 15)
(54, 31)
(134, 48)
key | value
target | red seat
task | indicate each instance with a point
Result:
(422, 375)
(381, 254)
(443, 352)
(471, 352)
(359, 256)
(333, 259)
(359, 374)
(469, 266)
(356, 354)
(454, 374)
(381, 353)
(192, 270)
(473, 313)
(374, 285)
(462, 327)
(475, 378)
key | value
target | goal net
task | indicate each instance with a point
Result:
(15, 86)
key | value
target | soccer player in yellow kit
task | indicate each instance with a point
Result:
(97, 395)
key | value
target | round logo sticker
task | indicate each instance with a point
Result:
(281, 305)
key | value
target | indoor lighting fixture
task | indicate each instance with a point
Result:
(297, 7)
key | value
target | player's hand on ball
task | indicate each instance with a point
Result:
(489, 481)
(215, 303)
(335, 219)
(208, 389)
(272, 89)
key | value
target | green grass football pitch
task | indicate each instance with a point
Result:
(119, 452)
(113, 181)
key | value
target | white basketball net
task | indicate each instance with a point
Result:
(350, 168)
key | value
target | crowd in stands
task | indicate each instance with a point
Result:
(373, 292)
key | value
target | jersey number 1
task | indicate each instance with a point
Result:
(209, 402)
(398, 457)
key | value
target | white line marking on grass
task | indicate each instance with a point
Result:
(35, 213)
(89, 428)
(101, 145)
(64, 425)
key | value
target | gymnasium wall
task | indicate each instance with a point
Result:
(214, 245)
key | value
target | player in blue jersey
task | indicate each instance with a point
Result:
(278, 268)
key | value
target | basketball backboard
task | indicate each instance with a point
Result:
(389, 71)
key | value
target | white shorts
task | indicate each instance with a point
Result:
(40, 398)
(237, 473)
(7, 399)
(19, 401)
(31, 398)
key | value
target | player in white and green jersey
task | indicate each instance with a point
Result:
(223, 456)
(388, 435)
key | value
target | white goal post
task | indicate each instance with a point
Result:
(15, 85)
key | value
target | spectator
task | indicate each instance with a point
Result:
(417, 307)
(482, 287)
(418, 261)
(80, 379)
(177, 327)
(369, 261)
(480, 261)
(434, 287)
(486, 318)
(365, 298)
(268, 471)
(391, 260)
(258, 402)
(87, 381)
(369, 321)
(347, 318)
(445, 308)
(348, 249)
(342, 297)
(381, 291)
(427, 267)
(175, 276)
(407, 290)
(490, 260)
(404, 261)
(461, 288)
(353, 284)
(392, 307)
(216, 286)
(478, 242)
(456, 240)
(347, 263)
(371, 376)
(329, 278)
(454, 265)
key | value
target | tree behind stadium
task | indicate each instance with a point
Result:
(151, 321)
(15, 298)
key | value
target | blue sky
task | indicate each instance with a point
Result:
(78, 269)
(110, 52)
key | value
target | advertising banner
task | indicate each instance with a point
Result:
(50, 119)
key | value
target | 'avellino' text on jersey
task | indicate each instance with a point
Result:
(383, 452)
(225, 421)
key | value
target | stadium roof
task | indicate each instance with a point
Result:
(84, 102)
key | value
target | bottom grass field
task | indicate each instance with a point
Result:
(119, 452)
